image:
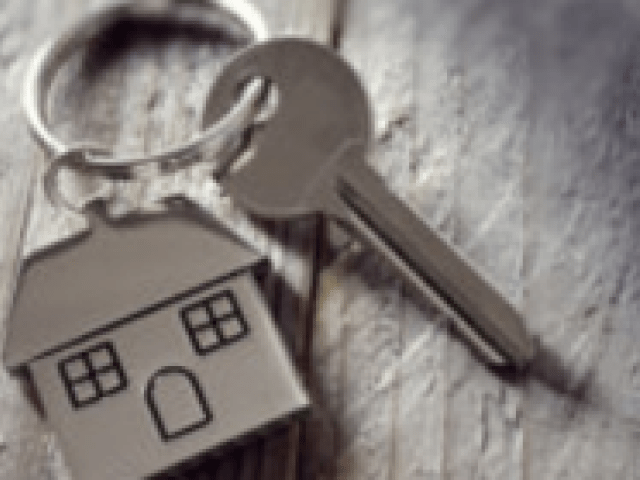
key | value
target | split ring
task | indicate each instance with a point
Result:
(235, 16)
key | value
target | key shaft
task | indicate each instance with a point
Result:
(431, 264)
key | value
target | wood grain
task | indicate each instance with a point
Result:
(465, 135)
(511, 126)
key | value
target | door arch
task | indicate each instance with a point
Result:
(177, 402)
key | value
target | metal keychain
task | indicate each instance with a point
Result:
(310, 157)
(147, 340)
(238, 16)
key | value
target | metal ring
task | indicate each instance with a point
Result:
(74, 157)
(229, 14)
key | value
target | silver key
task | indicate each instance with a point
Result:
(310, 157)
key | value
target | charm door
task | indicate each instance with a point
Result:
(177, 403)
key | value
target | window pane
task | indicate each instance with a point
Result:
(110, 382)
(222, 305)
(101, 358)
(76, 369)
(85, 392)
(231, 328)
(207, 338)
(198, 317)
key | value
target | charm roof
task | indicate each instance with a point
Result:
(69, 292)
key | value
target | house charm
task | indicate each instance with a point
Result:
(149, 346)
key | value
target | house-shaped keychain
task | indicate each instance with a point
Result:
(149, 345)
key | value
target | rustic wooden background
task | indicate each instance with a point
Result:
(513, 126)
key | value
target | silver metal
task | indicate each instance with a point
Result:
(150, 345)
(310, 158)
(146, 339)
(236, 16)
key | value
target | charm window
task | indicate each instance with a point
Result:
(92, 375)
(214, 322)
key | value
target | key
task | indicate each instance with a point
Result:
(309, 157)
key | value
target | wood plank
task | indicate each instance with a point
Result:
(29, 450)
(489, 52)
(509, 125)
(428, 185)
(372, 345)
(310, 19)
(581, 245)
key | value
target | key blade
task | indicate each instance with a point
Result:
(434, 266)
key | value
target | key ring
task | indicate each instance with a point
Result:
(236, 16)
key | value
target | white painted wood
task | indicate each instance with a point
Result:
(497, 135)
(512, 126)
(581, 232)
(490, 58)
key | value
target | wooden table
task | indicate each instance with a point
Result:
(513, 126)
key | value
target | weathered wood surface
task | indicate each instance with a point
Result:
(140, 91)
(513, 127)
